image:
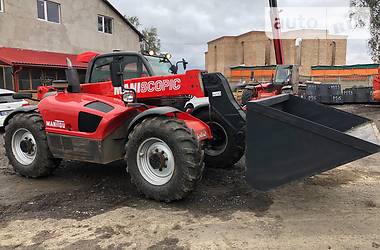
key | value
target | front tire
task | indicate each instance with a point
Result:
(27, 148)
(164, 159)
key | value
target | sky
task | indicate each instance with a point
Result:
(185, 27)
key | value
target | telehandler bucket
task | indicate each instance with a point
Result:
(289, 138)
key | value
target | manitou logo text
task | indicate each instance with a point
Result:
(56, 124)
(151, 86)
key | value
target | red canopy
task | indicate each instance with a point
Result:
(23, 57)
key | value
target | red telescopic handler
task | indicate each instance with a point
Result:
(131, 108)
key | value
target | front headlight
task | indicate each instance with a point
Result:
(129, 96)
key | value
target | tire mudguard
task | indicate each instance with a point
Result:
(201, 129)
(198, 108)
(26, 109)
(149, 113)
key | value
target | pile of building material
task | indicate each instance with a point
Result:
(333, 94)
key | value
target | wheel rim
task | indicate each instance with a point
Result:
(24, 146)
(155, 161)
(219, 142)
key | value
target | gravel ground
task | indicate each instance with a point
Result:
(87, 206)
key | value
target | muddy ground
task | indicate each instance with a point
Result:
(86, 206)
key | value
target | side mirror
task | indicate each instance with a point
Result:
(184, 64)
(117, 77)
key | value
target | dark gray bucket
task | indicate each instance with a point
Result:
(289, 138)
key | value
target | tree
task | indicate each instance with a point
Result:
(151, 40)
(374, 41)
(134, 20)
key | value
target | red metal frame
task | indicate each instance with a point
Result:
(376, 88)
(153, 87)
(276, 30)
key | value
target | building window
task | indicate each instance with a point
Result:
(1, 5)
(242, 53)
(105, 24)
(48, 11)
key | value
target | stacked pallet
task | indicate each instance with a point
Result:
(333, 94)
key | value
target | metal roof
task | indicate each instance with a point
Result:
(24, 57)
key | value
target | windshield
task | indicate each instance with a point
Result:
(282, 75)
(160, 66)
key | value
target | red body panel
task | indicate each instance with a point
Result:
(265, 91)
(86, 57)
(42, 90)
(61, 112)
(376, 88)
(153, 87)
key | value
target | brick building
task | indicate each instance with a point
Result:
(36, 37)
(255, 48)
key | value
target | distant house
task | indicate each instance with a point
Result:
(255, 50)
(36, 37)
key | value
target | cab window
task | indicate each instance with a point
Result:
(133, 67)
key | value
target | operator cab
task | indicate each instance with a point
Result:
(283, 75)
(287, 78)
(134, 65)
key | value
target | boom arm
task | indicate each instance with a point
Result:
(276, 30)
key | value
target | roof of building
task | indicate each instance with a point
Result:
(23, 57)
(293, 34)
(355, 66)
(124, 19)
(237, 36)
(243, 67)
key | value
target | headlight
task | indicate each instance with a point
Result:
(129, 96)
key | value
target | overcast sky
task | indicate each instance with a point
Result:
(185, 27)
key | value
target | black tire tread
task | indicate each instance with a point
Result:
(192, 153)
(235, 149)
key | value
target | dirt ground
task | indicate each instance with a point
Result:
(86, 206)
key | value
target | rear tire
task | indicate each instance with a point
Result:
(219, 154)
(27, 148)
(164, 159)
